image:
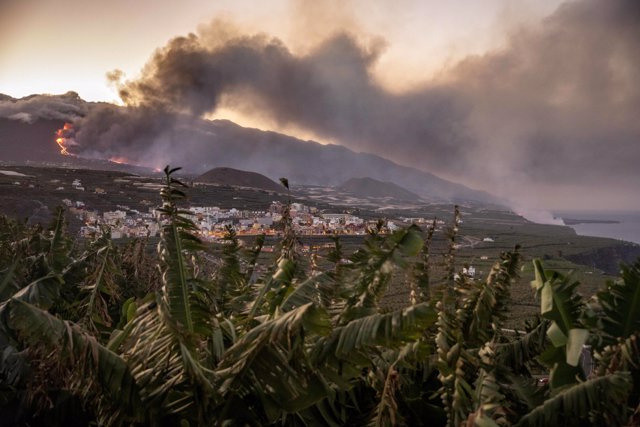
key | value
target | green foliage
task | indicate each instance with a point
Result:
(373, 266)
(485, 304)
(230, 283)
(101, 286)
(522, 350)
(595, 402)
(267, 363)
(620, 302)
(422, 268)
(561, 305)
(102, 376)
(186, 337)
(178, 276)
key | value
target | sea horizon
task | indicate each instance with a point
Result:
(626, 228)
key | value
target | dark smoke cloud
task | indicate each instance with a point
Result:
(134, 133)
(330, 91)
(563, 98)
(67, 107)
(559, 103)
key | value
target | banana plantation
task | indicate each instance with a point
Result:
(94, 333)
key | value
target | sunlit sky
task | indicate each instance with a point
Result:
(52, 46)
(501, 95)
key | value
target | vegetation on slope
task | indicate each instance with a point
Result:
(238, 178)
(110, 335)
(369, 187)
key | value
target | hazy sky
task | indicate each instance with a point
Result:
(533, 100)
(52, 46)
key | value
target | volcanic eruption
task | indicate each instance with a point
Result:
(64, 137)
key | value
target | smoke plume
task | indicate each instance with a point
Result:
(67, 107)
(556, 106)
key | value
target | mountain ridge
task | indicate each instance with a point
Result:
(199, 145)
(238, 178)
(369, 187)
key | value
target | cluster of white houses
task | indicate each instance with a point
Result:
(213, 221)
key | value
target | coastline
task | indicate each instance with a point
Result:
(619, 225)
(573, 221)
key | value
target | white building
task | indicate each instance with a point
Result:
(114, 216)
(335, 216)
(469, 272)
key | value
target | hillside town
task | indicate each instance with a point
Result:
(213, 221)
(143, 220)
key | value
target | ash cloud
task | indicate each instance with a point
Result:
(67, 107)
(563, 98)
(330, 91)
(557, 104)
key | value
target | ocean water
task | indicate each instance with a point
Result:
(627, 229)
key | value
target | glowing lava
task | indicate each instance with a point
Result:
(62, 138)
(119, 160)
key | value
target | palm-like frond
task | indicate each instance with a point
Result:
(386, 412)
(230, 282)
(252, 261)
(168, 372)
(91, 364)
(139, 269)
(268, 364)
(620, 302)
(58, 242)
(177, 240)
(598, 401)
(42, 292)
(9, 278)
(523, 349)
(389, 330)
(166, 337)
(336, 257)
(422, 268)
(490, 402)
(486, 305)
(100, 287)
(623, 356)
(449, 258)
(317, 289)
(282, 282)
(274, 290)
(455, 391)
(373, 267)
(452, 362)
(561, 305)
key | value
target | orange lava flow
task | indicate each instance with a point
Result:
(61, 138)
(119, 160)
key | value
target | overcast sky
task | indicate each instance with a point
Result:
(52, 46)
(534, 100)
